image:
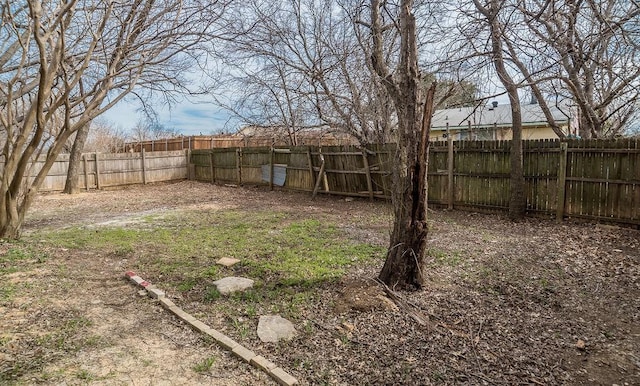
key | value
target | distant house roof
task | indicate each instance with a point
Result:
(493, 114)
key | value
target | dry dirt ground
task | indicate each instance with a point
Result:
(530, 303)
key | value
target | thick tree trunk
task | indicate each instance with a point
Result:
(10, 219)
(404, 266)
(73, 181)
(517, 198)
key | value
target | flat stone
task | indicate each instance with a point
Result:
(227, 261)
(232, 284)
(273, 328)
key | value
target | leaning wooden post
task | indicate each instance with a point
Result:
(450, 181)
(97, 172)
(271, 159)
(144, 167)
(86, 172)
(562, 181)
(367, 170)
(319, 179)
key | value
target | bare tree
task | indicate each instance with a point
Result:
(405, 263)
(300, 64)
(76, 59)
(596, 46)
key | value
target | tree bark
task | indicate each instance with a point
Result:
(404, 265)
(75, 158)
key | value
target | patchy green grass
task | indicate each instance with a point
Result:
(66, 333)
(272, 247)
(16, 257)
(440, 257)
(287, 256)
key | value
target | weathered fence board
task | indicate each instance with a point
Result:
(98, 170)
(592, 179)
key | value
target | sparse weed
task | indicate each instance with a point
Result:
(205, 365)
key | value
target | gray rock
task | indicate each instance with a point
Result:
(227, 261)
(273, 328)
(232, 284)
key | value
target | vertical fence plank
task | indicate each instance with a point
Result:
(450, 165)
(367, 169)
(271, 156)
(562, 181)
(310, 163)
(97, 172)
(212, 167)
(239, 166)
(144, 166)
(86, 172)
(188, 155)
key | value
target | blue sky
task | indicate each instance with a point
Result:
(187, 117)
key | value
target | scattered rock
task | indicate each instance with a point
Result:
(273, 328)
(227, 261)
(232, 284)
(580, 345)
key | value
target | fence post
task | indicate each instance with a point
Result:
(367, 169)
(86, 172)
(213, 167)
(450, 187)
(562, 181)
(144, 167)
(239, 165)
(271, 157)
(97, 172)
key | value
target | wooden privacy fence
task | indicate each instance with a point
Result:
(101, 170)
(593, 179)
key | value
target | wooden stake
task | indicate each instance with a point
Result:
(319, 179)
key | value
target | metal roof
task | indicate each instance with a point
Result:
(500, 115)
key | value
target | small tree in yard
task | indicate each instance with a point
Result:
(404, 265)
(63, 63)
